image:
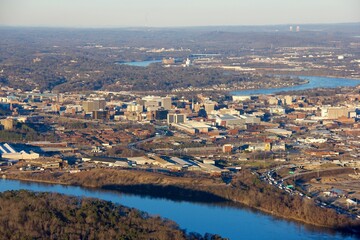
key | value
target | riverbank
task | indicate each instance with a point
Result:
(313, 82)
(244, 190)
(34, 215)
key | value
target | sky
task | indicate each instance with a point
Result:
(175, 13)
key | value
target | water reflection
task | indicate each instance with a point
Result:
(224, 218)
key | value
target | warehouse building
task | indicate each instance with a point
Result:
(9, 153)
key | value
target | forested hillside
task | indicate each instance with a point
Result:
(29, 215)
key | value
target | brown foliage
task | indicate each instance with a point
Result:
(244, 189)
(28, 215)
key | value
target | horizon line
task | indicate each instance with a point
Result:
(167, 27)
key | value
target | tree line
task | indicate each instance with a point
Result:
(33, 215)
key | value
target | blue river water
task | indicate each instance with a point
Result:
(314, 82)
(234, 223)
(139, 64)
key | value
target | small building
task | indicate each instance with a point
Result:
(8, 123)
(101, 115)
(351, 202)
(280, 132)
(265, 147)
(227, 148)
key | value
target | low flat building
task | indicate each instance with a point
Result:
(279, 131)
(9, 153)
(265, 147)
(46, 163)
(141, 160)
(193, 127)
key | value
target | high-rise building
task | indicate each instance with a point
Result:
(94, 105)
(156, 102)
(209, 107)
(166, 103)
(176, 118)
(99, 104)
(170, 118)
(88, 106)
(161, 114)
(287, 100)
(197, 107)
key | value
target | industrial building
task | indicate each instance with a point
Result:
(279, 131)
(227, 120)
(9, 153)
(193, 127)
(240, 98)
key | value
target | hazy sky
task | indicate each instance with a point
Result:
(163, 13)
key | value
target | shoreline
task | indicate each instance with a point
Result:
(221, 90)
(304, 82)
(231, 201)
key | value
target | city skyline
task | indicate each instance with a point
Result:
(161, 13)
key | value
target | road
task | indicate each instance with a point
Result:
(296, 175)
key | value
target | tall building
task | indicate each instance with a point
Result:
(88, 106)
(197, 107)
(298, 28)
(94, 105)
(287, 100)
(209, 107)
(166, 103)
(176, 118)
(156, 102)
(99, 104)
(291, 28)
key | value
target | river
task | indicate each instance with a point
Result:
(314, 82)
(234, 223)
(139, 64)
